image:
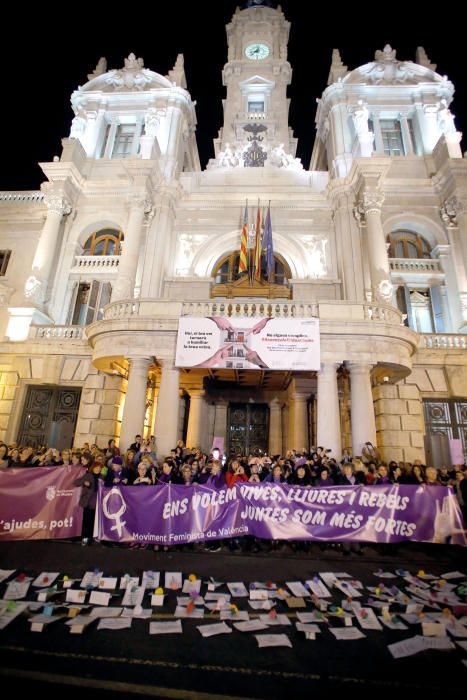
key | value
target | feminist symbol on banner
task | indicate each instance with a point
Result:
(115, 516)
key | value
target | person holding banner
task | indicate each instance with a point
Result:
(88, 498)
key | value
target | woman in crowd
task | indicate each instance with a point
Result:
(4, 459)
(235, 473)
(324, 479)
(88, 498)
(301, 477)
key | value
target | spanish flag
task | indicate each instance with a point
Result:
(243, 263)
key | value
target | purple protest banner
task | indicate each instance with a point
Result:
(170, 514)
(40, 503)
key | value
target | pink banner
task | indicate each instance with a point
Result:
(40, 503)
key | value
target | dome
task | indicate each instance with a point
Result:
(132, 77)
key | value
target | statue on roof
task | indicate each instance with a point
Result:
(133, 63)
(387, 54)
(100, 68)
(445, 118)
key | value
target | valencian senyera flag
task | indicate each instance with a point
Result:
(243, 263)
(267, 244)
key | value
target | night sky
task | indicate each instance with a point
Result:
(49, 63)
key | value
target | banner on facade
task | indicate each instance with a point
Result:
(170, 514)
(248, 343)
(40, 503)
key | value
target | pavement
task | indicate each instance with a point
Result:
(132, 663)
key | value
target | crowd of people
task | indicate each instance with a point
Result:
(140, 466)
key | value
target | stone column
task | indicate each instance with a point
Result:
(329, 421)
(159, 244)
(361, 406)
(275, 427)
(134, 409)
(195, 432)
(220, 421)
(406, 136)
(36, 285)
(128, 263)
(454, 215)
(168, 407)
(172, 162)
(381, 287)
(349, 251)
(300, 422)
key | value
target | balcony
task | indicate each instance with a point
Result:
(56, 333)
(423, 265)
(443, 341)
(22, 197)
(97, 264)
(328, 310)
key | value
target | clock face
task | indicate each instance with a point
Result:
(257, 52)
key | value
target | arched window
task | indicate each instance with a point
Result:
(106, 241)
(407, 244)
(229, 282)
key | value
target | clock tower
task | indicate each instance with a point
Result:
(256, 75)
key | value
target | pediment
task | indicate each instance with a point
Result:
(257, 81)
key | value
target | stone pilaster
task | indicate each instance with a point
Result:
(329, 425)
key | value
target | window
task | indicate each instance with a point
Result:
(392, 137)
(227, 270)
(423, 308)
(106, 241)
(256, 106)
(4, 259)
(407, 244)
(89, 301)
(123, 143)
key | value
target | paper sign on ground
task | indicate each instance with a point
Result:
(170, 627)
(214, 629)
(46, 578)
(273, 640)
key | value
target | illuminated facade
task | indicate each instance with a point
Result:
(127, 234)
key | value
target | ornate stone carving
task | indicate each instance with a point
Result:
(189, 244)
(227, 158)
(384, 292)
(386, 69)
(132, 76)
(316, 248)
(445, 118)
(280, 159)
(254, 156)
(448, 212)
(457, 205)
(78, 124)
(57, 203)
(34, 289)
(152, 120)
(5, 294)
(360, 116)
(100, 68)
(371, 200)
(140, 201)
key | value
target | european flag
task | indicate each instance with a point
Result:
(267, 245)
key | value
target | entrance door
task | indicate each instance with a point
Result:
(444, 420)
(49, 416)
(248, 428)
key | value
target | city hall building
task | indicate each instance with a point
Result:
(128, 235)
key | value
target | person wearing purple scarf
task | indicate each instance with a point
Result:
(216, 479)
